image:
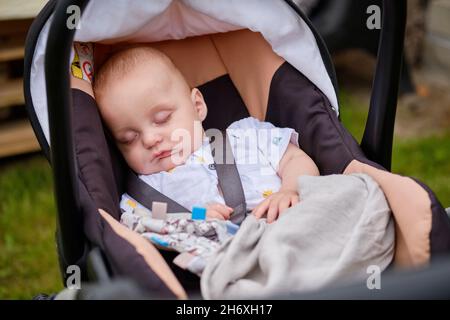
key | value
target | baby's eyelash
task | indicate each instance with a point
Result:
(128, 141)
(163, 120)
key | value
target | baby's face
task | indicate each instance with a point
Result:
(149, 114)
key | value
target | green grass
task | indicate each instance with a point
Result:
(28, 262)
(428, 160)
(425, 158)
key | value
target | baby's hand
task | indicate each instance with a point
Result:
(218, 211)
(275, 204)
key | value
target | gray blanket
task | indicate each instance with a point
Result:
(341, 226)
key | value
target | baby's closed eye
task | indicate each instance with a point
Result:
(162, 116)
(127, 138)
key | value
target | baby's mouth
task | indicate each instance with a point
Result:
(163, 154)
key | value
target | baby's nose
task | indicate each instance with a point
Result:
(150, 139)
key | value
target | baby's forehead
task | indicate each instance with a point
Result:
(156, 72)
(142, 74)
(124, 64)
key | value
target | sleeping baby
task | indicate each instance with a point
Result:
(341, 227)
(156, 121)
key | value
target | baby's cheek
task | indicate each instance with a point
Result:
(135, 160)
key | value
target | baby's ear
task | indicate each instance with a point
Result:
(199, 104)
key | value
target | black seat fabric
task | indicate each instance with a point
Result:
(297, 103)
(293, 102)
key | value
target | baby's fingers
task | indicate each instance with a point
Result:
(213, 214)
(272, 214)
(259, 211)
(222, 209)
(284, 204)
(295, 199)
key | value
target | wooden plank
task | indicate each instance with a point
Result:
(11, 93)
(12, 39)
(11, 52)
(20, 9)
(10, 29)
(17, 137)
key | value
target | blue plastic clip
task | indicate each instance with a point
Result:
(198, 213)
(231, 227)
(159, 241)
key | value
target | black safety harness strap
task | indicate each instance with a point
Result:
(227, 175)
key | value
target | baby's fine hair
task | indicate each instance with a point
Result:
(121, 63)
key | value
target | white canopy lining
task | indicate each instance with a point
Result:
(149, 21)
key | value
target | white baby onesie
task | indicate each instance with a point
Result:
(257, 148)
